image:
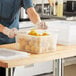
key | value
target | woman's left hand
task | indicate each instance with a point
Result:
(41, 25)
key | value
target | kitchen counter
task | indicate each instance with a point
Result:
(57, 56)
(61, 52)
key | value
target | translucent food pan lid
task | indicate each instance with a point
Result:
(6, 54)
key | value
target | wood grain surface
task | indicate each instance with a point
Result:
(61, 52)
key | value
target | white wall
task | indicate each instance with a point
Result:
(45, 1)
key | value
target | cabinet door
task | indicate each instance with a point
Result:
(34, 69)
(24, 70)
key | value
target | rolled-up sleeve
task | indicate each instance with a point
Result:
(27, 4)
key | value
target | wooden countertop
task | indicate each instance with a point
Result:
(61, 52)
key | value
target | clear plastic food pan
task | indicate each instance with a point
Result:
(36, 44)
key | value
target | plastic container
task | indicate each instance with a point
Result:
(66, 31)
(36, 44)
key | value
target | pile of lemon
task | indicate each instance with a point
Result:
(35, 33)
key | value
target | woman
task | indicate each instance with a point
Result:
(9, 20)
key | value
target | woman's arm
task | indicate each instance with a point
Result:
(33, 15)
(51, 2)
(11, 33)
(35, 18)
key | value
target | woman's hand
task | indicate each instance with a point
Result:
(11, 33)
(41, 25)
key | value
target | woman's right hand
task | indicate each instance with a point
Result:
(11, 33)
